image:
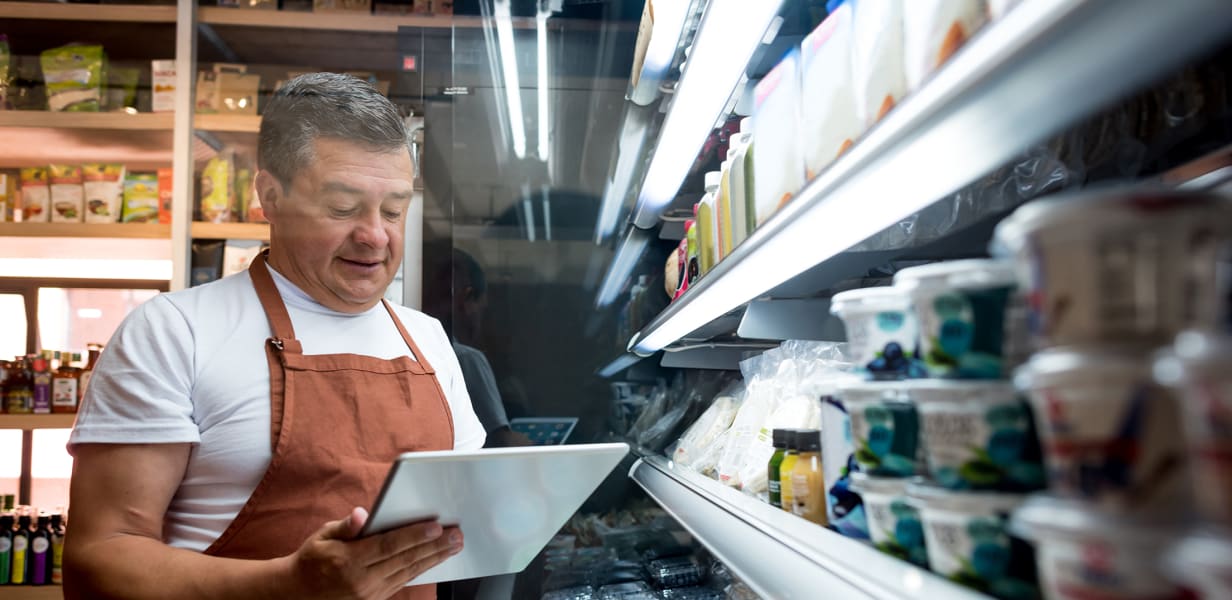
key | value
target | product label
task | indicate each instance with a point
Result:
(40, 545)
(19, 559)
(978, 445)
(42, 393)
(886, 437)
(963, 334)
(884, 343)
(967, 548)
(64, 393)
(844, 508)
(19, 401)
(1209, 426)
(5, 545)
(895, 527)
(1101, 570)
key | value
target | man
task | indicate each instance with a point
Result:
(228, 426)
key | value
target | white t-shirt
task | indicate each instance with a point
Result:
(190, 366)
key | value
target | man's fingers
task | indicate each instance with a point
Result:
(409, 572)
(379, 548)
(345, 528)
(448, 542)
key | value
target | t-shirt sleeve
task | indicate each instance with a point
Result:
(481, 385)
(468, 432)
(140, 392)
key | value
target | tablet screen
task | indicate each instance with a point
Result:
(545, 431)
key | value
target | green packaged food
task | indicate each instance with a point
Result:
(74, 77)
(140, 198)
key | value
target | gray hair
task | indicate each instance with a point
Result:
(324, 105)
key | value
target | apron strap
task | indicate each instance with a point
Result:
(406, 337)
(267, 292)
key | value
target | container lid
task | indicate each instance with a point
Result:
(808, 440)
(746, 125)
(1045, 516)
(973, 273)
(922, 494)
(890, 486)
(966, 387)
(1195, 355)
(890, 390)
(1199, 553)
(1109, 208)
(713, 178)
(876, 298)
(1063, 365)
(781, 438)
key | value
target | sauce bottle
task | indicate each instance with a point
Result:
(807, 491)
(19, 392)
(790, 455)
(6, 548)
(64, 384)
(773, 481)
(95, 350)
(57, 548)
(42, 386)
(21, 547)
(40, 552)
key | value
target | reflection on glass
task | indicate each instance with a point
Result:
(70, 318)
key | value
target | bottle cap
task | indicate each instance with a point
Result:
(808, 440)
(713, 178)
(781, 437)
(40, 364)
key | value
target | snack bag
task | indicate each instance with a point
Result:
(68, 201)
(164, 195)
(217, 190)
(104, 192)
(35, 195)
(140, 198)
(74, 77)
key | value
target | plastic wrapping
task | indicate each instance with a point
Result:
(712, 423)
(675, 572)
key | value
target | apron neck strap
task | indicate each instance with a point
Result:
(406, 337)
(271, 301)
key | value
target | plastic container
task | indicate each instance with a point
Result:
(1118, 265)
(1086, 553)
(1202, 562)
(977, 435)
(881, 331)
(1200, 365)
(1110, 435)
(884, 426)
(675, 572)
(962, 309)
(894, 524)
(968, 541)
(844, 507)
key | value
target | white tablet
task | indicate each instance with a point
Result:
(509, 502)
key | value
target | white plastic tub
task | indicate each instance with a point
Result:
(885, 428)
(881, 330)
(1119, 265)
(893, 524)
(977, 435)
(1202, 562)
(1085, 553)
(965, 311)
(1110, 435)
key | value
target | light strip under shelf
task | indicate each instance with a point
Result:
(1043, 67)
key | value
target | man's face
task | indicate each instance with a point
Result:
(337, 231)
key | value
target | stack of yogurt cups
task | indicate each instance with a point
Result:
(946, 447)
(1131, 389)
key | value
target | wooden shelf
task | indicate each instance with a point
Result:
(88, 12)
(232, 123)
(42, 592)
(231, 231)
(94, 230)
(60, 421)
(339, 21)
(87, 120)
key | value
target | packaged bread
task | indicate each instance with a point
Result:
(104, 192)
(933, 30)
(35, 195)
(140, 198)
(877, 58)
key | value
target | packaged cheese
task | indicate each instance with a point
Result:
(877, 58)
(778, 164)
(933, 30)
(35, 195)
(828, 116)
(104, 192)
(140, 198)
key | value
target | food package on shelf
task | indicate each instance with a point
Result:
(6, 62)
(238, 254)
(828, 114)
(347, 6)
(104, 192)
(218, 189)
(716, 420)
(122, 85)
(35, 195)
(6, 197)
(751, 418)
(877, 58)
(74, 77)
(998, 8)
(778, 158)
(140, 198)
(228, 89)
(933, 30)
(165, 194)
(162, 82)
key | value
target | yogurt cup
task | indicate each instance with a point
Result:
(881, 330)
(844, 507)
(1086, 553)
(893, 523)
(977, 435)
(1118, 265)
(1199, 366)
(962, 309)
(1110, 435)
(1202, 563)
(885, 429)
(968, 542)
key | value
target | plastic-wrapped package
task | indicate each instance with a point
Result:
(713, 422)
(675, 572)
(582, 592)
(933, 30)
(759, 403)
(655, 408)
(707, 461)
(829, 120)
(637, 590)
(695, 592)
(877, 58)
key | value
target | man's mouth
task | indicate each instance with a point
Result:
(361, 263)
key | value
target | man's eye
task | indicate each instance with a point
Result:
(392, 215)
(342, 212)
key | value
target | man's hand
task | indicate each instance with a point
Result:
(333, 564)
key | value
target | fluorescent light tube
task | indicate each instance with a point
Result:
(730, 32)
(541, 37)
(509, 67)
(627, 255)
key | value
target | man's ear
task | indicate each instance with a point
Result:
(269, 193)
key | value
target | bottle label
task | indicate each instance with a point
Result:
(40, 545)
(19, 401)
(5, 545)
(64, 393)
(19, 559)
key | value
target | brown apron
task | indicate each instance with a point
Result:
(336, 423)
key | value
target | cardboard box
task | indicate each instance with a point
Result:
(163, 83)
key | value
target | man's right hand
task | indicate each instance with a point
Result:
(334, 564)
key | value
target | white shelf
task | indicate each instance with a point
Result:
(778, 554)
(1044, 67)
(54, 11)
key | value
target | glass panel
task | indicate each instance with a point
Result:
(13, 334)
(71, 318)
(50, 469)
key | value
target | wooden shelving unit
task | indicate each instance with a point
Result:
(45, 592)
(132, 13)
(92, 230)
(338, 21)
(87, 120)
(229, 123)
(231, 231)
(27, 422)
